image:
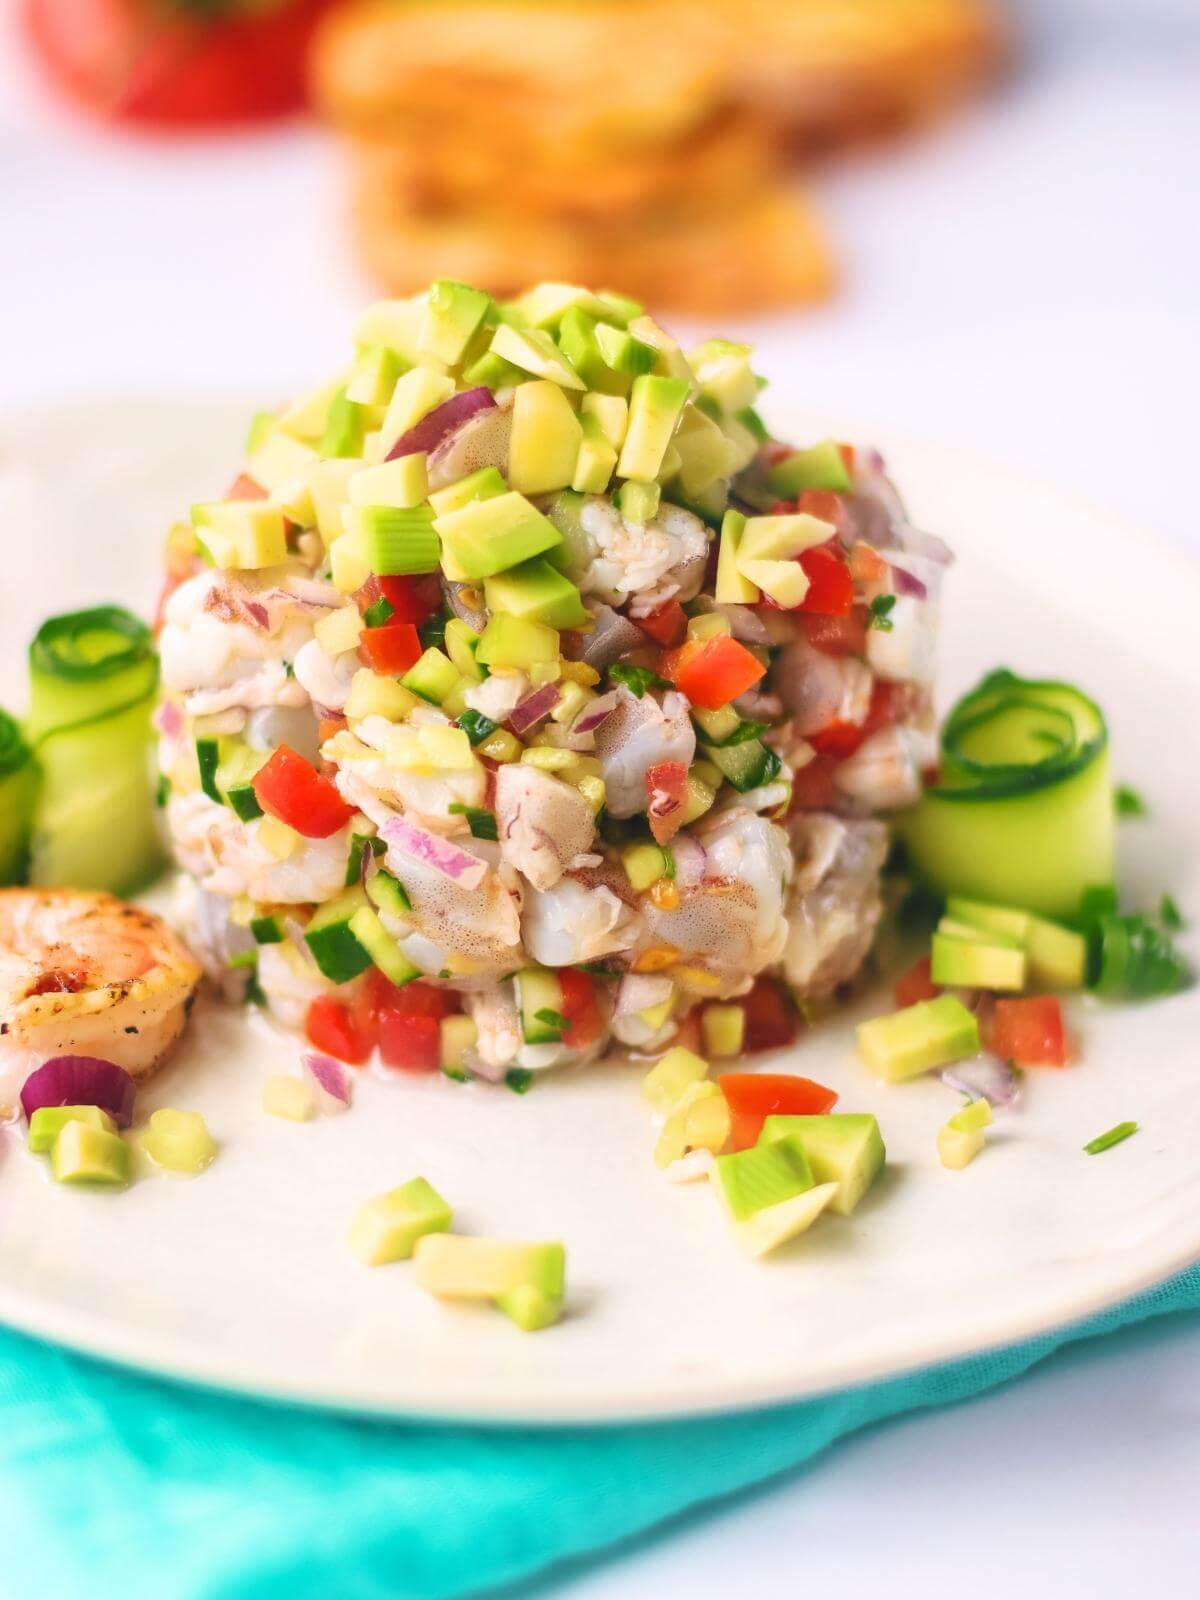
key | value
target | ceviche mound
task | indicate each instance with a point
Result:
(525, 696)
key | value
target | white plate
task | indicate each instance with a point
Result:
(241, 1278)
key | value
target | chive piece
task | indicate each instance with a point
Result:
(599, 969)
(254, 995)
(456, 1075)
(1170, 915)
(400, 543)
(668, 856)
(742, 734)
(1128, 802)
(476, 726)
(481, 823)
(163, 792)
(1105, 1141)
(636, 679)
(208, 759)
(880, 613)
(519, 1079)
(552, 1019)
(381, 612)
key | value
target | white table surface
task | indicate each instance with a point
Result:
(1022, 282)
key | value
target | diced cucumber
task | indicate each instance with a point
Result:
(82, 1154)
(433, 677)
(746, 766)
(821, 466)
(457, 1267)
(47, 1122)
(540, 998)
(717, 726)
(383, 950)
(335, 948)
(235, 780)
(360, 845)
(208, 760)
(975, 964)
(268, 929)
(387, 1227)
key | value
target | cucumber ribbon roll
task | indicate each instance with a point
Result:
(1022, 812)
(18, 781)
(93, 686)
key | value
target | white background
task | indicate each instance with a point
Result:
(1022, 281)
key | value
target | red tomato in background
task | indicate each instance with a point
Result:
(338, 1030)
(1029, 1032)
(177, 62)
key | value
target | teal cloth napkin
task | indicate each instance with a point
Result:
(118, 1485)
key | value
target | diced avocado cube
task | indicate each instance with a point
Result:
(460, 643)
(47, 1122)
(374, 376)
(670, 360)
(673, 1141)
(785, 582)
(975, 1114)
(403, 483)
(329, 485)
(622, 352)
(374, 696)
(959, 1142)
(706, 455)
(516, 642)
(305, 418)
(262, 423)
(732, 586)
(723, 1029)
(382, 948)
(843, 1148)
(822, 466)
(83, 1154)
(246, 534)
(178, 1141)
(933, 1033)
(957, 963)
(389, 895)
(394, 323)
(577, 341)
(537, 591)
(458, 1036)
(535, 351)
(387, 1227)
(655, 407)
(489, 536)
(455, 1267)
(765, 1175)
(278, 461)
(638, 501)
(671, 1077)
(783, 538)
(530, 1309)
(724, 373)
(596, 461)
(611, 414)
(540, 999)
(344, 428)
(452, 314)
(485, 484)
(953, 929)
(415, 395)
(292, 1099)
(492, 372)
(1056, 956)
(432, 676)
(545, 305)
(546, 435)
(774, 1225)
(334, 947)
(620, 308)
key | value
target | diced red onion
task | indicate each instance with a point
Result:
(985, 1078)
(437, 424)
(168, 719)
(611, 637)
(435, 852)
(597, 711)
(483, 440)
(81, 1081)
(535, 708)
(260, 614)
(331, 1078)
(906, 583)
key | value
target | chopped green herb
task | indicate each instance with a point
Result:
(243, 959)
(668, 856)
(481, 823)
(750, 419)
(636, 679)
(444, 973)
(208, 759)
(254, 995)
(552, 1019)
(456, 1074)
(1128, 802)
(742, 734)
(519, 1079)
(289, 670)
(880, 610)
(1105, 1141)
(376, 615)
(599, 969)
(476, 726)
(1129, 956)
(1170, 915)
(163, 792)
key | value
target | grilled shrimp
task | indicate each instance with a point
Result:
(85, 974)
(835, 904)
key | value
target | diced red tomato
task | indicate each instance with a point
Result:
(244, 487)
(412, 599)
(392, 649)
(338, 1030)
(714, 672)
(752, 1097)
(885, 707)
(846, 451)
(830, 586)
(867, 565)
(838, 739)
(411, 999)
(328, 727)
(915, 985)
(410, 1041)
(666, 792)
(813, 787)
(667, 625)
(837, 636)
(770, 1016)
(289, 789)
(584, 1022)
(1029, 1032)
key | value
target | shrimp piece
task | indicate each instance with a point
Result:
(637, 735)
(646, 565)
(500, 1044)
(579, 919)
(226, 857)
(835, 902)
(545, 824)
(224, 648)
(86, 974)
